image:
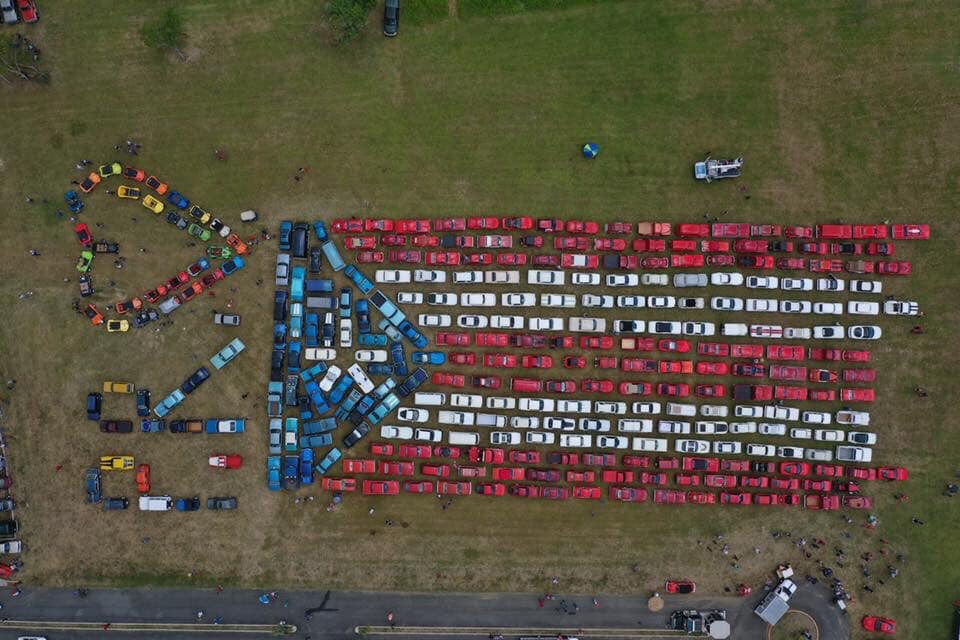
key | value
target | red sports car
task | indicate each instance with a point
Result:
(453, 338)
(710, 390)
(638, 364)
(379, 224)
(756, 261)
(673, 345)
(713, 349)
(891, 474)
(645, 245)
(911, 232)
(570, 242)
(597, 386)
(360, 242)
(437, 470)
(890, 268)
(426, 241)
(791, 263)
(482, 259)
(454, 488)
(509, 473)
(609, 244)
(449, 379)
(669, 496)
(444, 451)
(676, 366)
(596, 342)
(488, 456)
(676, 390)
(681, 586)
(500, 360)
(359, 466)
(420, 486)
(526, 457)
(794, 468)
(574, 362)
(879, 625)
(410, 257)
(628, 494)
(585, 228)
(687, 479)
(338, 484)
(687, 260)
(543, 260)
(857, 395)
(746, 351)
(381, 448)
(798, 232)
(735, 497)
(83, 234)
(486, 382)
(393, 240)
(522, 223)
(785, 484)
(720, 480)
(531, 241)
(618, 227)
(396, 468)
(635, 388)
(701, 497)
(536, 362)
(512, 259)
(859, 375)
(765, 230)
(680, 246)
(714, 246)
(450, 224)
(816, 248)
(693, 230)
(721, 261)
(412, 226)
(785, 372)
(485, 339)
(655, 262)
(448, 258)
(380, 487)
(750, 246)
(587, 493)
(483, 223)
(491, 489)
(367, 257)
(463, 357)
(823, 375)
(343, 225)
(560, 386)
(580, 476)
(881, 249)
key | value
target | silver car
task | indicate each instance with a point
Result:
(283, 270)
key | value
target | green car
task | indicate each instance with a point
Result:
(112, 169)
(85, 261)
(198, 232)
(222, 253)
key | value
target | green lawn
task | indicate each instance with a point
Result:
(842, 109)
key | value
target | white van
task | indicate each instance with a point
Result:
(429, 399)
(491, 420)
(680, 409)
(463, 438)
(626, 425)
(733, 329)
(156, 503)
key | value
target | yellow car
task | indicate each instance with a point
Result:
(152, 203)
(114, 326)
(118, 387)
(131, 193)
(198, 214)
(112, 169)
(116, 463)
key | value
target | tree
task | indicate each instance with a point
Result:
(348, 18)
(165, 33)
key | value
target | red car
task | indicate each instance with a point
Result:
(472, 472)
(491, 489)
(525, 457)
(765, 230)
(823, 486)
(83, 234)
(720, 480)
(859, 375)
(681, 246)
(628, 494)
(751, 246)
(746, 351)
(784, 372)
(542, 260)
(829, 470)
(544, 475)
(599, 459)
(635, 388)
(574, 362)
(562, 458)
(693, 230)
(449, 379)
(597, 386)
(381, 448)
(654, 478)
(412, 226)
(636, 461)
(481, 259)
(393, 240)
(360, 242)
(785, 484)
(735, 497)
(450, 224)
(486, 382)
(781, 246)
(857, 395)
(426, 241)
(638, 364)
(550, 225)
(380, 487)
(338, 484)
(156, 295)
(911, 232)
(855, 356)
(536, 362)
(454, 488)
(713, 349)
(669, 496)
(587, 493)
(523, 223)
(859, 266)
(755, 482)
(680, 586)
(448, 258)
(785, 352)
(729, 230)
(444, 451)
(618, 227)
(488, 456)
(644, 245)
(846, 248)
(420, 486)
(560, 386)
(826, 376)
(816, 248)
(794, 469)
(756, 261)
(367, 257)
(437, 470)
(628, 263)
(596, 342)
(687, 260)
(485, 339)
(869, 231)
(822, 395)
(554, 493)
(714, 246)
(509, 473)
(379, 224)
(776, 499)
(749, 370)
(396, 468)
(881, 249)
(512, 259)
(463, 357)
(892, 474)
(569, 242)
(483, 223)
(579, 261)
(701, 497)
(637, 344)
(786, 392)
(879, 625)
(342, 225)
(525, 491)
(710, 368)
(687, 479)
(529, 340)
(825, 266)
(585, 228)
(693, 463)
(824, 354)
(609, 244)
(676, 390)
(710, 390)
(888, 268)
(676, 366)
(798, 232)
(791, 263)
(453, 339)
(500, 360)
(581, 476)
(862, 474)
(410, 257)
(531, 241)
(655, 262)
(676, 346)
(359, 466)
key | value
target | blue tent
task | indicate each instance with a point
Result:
(590, 150)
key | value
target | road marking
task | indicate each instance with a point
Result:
(610, 634)
(816, 627)
(157, 627)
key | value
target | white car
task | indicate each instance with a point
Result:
(631, 425)
(846, 453)
(525, 422)
(410, 297)
(472, 321)
(828, 332)
(685, 445)
(559, 300)
(763, 282)
(370, 355)
(545, 324)
(762, 305)
(502, 277)
(405, 414)
(399, 276)
(727, 447)
(319, 353)
(478, 300)
(466, 401)
(283, 270)
(709, 428)
(593, 424)
(623, 280)
(818, 455)
(772, 429)
(861, 308)
(506, 322)
(649, 444)
(761, 450)
(443, 299)
(766, 331)
(797, 284)
(748, 411)
(504, 437)
(631, 302)
(427, 435)
(714, 410)
(654, 280)
(740, 428)
(777, 412)
(815, 417)
(613, 442)
(629, 326)
(360, 378)
(677, 427)
(430, 275)
(346, 333)
(865, 438)
(795, 306)
(609, 407)
(793, 453)
(576, 261)
(828, 435)
(582, 324)
(801, 433)
(543, 405)
(585, 279)
(690, 303)
(864, 332)
(590, 300)
(859, 418)
(554, 423)
(539, 437)
(434, 319)
(828, 308)
(390, 432)
(647, 408)
(831, 284)
(333, 373)
(468, 277)
(661, 302)
(901, 308)
(797, 333)
(731, 279)
(518, 299)
(576, 440)
(665, 328)
(726, 304)
(866, 286)
(574, 406)
(501, 402)
(554, 278)
(699, 328)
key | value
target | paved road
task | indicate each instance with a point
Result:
(348, 610)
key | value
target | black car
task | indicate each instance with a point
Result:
(291, 390)
(188, 504)
(178, 426)
(91, 481)
(391, 18)
(145, 317)
(116, 426)
(115, 504)
(143, 402)
(106, 247)
(763, 467)
(86, 286)
(316, 259)
(7, 504)
(221, 504)
(173, 218)
(94, 404)
(194, 381)
(298, 240)
(405, 388)
(356, 435)
(279, 306)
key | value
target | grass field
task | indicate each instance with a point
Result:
(843, 110)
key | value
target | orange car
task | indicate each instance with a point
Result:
(143, 478)
(90, 182)
(93, 314)
(238, 245)
(154, 183)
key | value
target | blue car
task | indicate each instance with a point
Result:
(328, 461)
(274, 481)
(166, 406)
(73, 201)
(305, 412)
(380, 369)
(346, 302)
(94, 404)
(341, 388)
(148, 425)
(279, 335)
(320, 230)
(188, 504)
(399, 358)
(297, 276)
(306, 466)
(286, 228)
(428, 357)
(293, 357)
(291, 472)
(372, 340)
(311, 332)
(92, 480)
(363, 316)
(176, 199)
(405, 388)
(363, 282)
(232, 265)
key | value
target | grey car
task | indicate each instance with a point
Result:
(690, 280)
(221, 504)
(283, 270)
(9, 13)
